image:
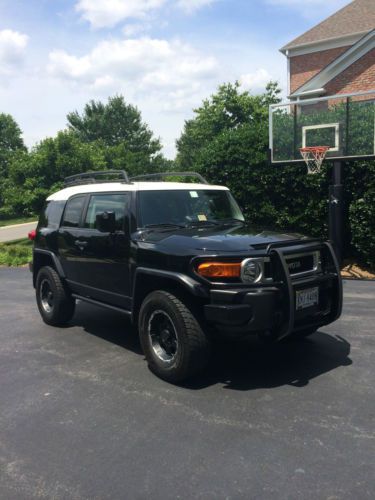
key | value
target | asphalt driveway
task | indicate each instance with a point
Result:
(81, 417)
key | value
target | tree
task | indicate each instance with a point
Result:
(10, 134)
(114, 123)
(229, 111)
(11, 142)
(33, 176)
(117, 128)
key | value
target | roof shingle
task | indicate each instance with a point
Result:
(357, 17)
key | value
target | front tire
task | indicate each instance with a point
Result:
(55, 304)
(174, 344)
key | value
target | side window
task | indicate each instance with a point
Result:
(52, 214)
(73, 211)
(100, 203)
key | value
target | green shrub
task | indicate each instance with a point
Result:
(362, 221)
(16, 253)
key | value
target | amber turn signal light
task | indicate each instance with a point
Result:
(220, 269)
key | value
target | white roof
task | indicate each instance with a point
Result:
(66, 193)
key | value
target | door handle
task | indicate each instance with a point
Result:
(81, 244)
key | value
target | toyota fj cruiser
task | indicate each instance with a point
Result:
(178, 259)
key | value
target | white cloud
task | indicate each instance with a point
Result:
(131, 30)
(108, 13)
(12, 49)
(193, 5)
(255, 81)
(147, 66)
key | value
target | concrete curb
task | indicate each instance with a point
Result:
(18, 225)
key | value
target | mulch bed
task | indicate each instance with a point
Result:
(355, 271)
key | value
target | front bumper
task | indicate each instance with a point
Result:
(272, 308)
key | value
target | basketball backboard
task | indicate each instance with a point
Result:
(344, 122)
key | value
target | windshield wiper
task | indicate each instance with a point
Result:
(216, 222)
(230, 220)
(165, 225)
(203, 223)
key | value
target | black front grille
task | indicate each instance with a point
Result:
(300, 264)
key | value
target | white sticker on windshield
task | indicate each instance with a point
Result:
(193, 194)
(202, 217)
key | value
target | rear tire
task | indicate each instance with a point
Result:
(174, 344)
(55, 304)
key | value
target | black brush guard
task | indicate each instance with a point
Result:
(289, 284)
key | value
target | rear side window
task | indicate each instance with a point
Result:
(73, 210)
(100, 203)
(51, 215)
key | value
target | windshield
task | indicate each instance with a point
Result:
(187, 207)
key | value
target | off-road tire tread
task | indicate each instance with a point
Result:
(64, 306)
(195, 339)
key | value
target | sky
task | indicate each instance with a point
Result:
(164, 56)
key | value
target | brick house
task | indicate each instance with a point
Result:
(335, 57)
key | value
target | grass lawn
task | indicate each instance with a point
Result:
(16, 253)
(19, 220)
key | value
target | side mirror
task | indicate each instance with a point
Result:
(106, 222)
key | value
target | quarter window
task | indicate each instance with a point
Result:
(51, 215)
(73, 210)
(100, 203)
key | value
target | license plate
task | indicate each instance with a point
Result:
(307, 298)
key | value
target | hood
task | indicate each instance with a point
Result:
(228, 239)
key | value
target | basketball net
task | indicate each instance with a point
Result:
(314, 157)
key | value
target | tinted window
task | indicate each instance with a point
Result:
(187, 206)
(73, 211)
(51, 215)
(100, 203)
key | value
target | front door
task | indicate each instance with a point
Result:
(101, 260)
(104, 257)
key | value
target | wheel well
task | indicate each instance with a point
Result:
(41, 260)
(146, 284)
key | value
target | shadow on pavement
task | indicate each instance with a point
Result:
(111, 326)
(252, 365)
(242, 365)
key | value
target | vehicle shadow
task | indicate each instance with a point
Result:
(242, 366)
(111, 326)
(249, 365)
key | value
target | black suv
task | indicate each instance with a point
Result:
(178, 259)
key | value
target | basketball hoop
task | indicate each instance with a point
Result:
(314, 157)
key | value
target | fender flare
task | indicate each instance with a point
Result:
(55, 260)
(188, 283)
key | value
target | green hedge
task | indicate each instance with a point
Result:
(362, 223)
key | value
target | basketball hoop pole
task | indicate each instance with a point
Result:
(336, 203)
(314, 157)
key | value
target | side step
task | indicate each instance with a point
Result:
(101, 304)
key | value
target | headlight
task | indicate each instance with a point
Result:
(251, 270)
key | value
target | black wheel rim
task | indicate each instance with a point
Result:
(46, 296)
(163, 336)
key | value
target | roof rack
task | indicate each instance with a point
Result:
(169, 174)
(91, 177)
